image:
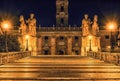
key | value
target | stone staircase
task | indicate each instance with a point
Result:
(59, 68)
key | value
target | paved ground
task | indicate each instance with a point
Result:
(59, 68)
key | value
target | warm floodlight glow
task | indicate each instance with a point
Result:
(6, 24)
(90, 36)
(27, 36)
(111, 26)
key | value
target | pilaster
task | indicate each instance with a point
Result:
(53, 45)
(69, 45)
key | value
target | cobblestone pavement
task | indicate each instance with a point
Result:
(59, 68)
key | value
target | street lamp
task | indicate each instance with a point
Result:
(111, 27)
(27, 37)
(90, 37)
(5, 26)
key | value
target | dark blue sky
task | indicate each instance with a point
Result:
(45, 10)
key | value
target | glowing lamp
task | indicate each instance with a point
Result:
(27, 36)
(6, 24)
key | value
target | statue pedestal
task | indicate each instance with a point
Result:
(32, 45)
(88, 44)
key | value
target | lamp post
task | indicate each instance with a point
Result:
(5, 26)
(111, 27)
(27, 37)
(90, 48)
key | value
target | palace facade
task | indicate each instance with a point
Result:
(63, 39)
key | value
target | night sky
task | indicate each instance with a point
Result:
(45, 10)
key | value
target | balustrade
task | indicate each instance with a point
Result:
(12, 56)
(113, 58)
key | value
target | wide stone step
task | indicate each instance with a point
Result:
(60, 76)
(59, 79)
(69, 68)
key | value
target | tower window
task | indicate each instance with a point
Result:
(62, 21)
(62, 8)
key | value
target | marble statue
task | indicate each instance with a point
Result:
(86, 25)
(32, 25)
(95, 27)
(23, 27)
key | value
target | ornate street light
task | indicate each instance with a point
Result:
(111, 28)
(6, 25)
(27, 38)
(90, 38)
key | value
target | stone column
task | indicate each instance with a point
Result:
(69, 45)
(53, 45)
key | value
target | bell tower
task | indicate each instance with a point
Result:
(62, 13)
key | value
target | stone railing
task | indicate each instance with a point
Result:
(12, 56)
(59, 29)
(113, 58)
